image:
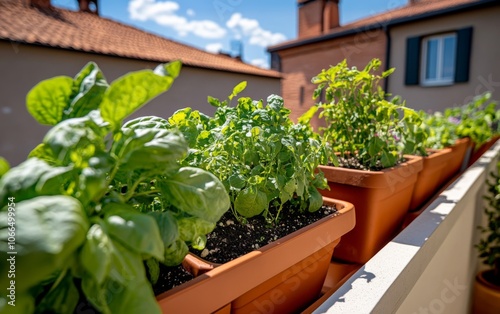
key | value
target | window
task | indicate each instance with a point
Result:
(443, 59)
(438, 59)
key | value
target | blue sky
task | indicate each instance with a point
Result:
(218, 25)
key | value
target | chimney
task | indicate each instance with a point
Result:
(85, 6)
(331, 15)
(317, 17)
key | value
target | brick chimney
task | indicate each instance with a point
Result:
(85, 6)
(317, 17)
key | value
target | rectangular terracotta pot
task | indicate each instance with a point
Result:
(381, 198)
(459, 151)
(282, 277)
(479, 151)
(429, 179)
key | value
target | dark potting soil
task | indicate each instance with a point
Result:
(231, 239)
(171, 277)
(353, 163)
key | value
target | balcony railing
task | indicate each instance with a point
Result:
(430, 266)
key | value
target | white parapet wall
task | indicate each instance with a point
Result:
(430, 266)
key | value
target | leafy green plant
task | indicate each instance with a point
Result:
(489, 247)
(99, 199)
(360, 121)
(262, 157)
(441, 131)
(477, 120)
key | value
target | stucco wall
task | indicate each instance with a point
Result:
(302, 63)
(23, 66)
(484, 67)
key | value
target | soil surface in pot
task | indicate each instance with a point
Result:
(231, 239)
(353, 163)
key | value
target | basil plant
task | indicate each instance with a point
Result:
(99, 199)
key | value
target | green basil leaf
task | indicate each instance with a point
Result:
(175, 253)
(197, 192)
(74, 141)
(96, 254)
(237, 89)
(47, 100)
(192, 229)
(32, 178)
(153, 267)
(148, 122)
(24, 303)
(61, 299)
(213, 101)
(167, 225)
(43, 152)
(136, 231)
(251, 202)
(49, 229)
(130, 92)
(315, 199)
(135, 297)
(149, 149)
(88, 91)
(4, 166)
(124, 281)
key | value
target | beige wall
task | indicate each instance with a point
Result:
(484, 66)
(302, 63)
(22, 67)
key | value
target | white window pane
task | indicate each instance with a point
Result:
(432, 55)
(449, 57)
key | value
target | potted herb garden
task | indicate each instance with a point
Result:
(368, 134)
(99, 200)
(477, 121)
(102, 206)
(487, 285)
(268, 165)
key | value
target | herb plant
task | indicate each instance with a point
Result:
(477, 120)
(489, 247)
(99, 199)
(263, 159)
(360, 121)
(441, 131)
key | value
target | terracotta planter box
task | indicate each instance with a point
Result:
(381, 198)
(454, 166)
(477, 153)
(429, 179)
(282, 277)
(486, 296)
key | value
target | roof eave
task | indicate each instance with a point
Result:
(380, 25)
(276, 75)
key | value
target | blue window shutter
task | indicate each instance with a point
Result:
(412, 60)
(464, 44)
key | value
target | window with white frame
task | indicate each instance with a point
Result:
(438, 59)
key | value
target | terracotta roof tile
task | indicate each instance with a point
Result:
(90, 33)
(415, 10)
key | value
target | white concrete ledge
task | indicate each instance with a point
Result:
(430, 266)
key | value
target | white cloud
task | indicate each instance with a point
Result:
(214, 47)
(251, 28)
(262, 63)
(190, 12)
(165, 13)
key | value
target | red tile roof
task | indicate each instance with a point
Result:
(417, 10)
(88, 32)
